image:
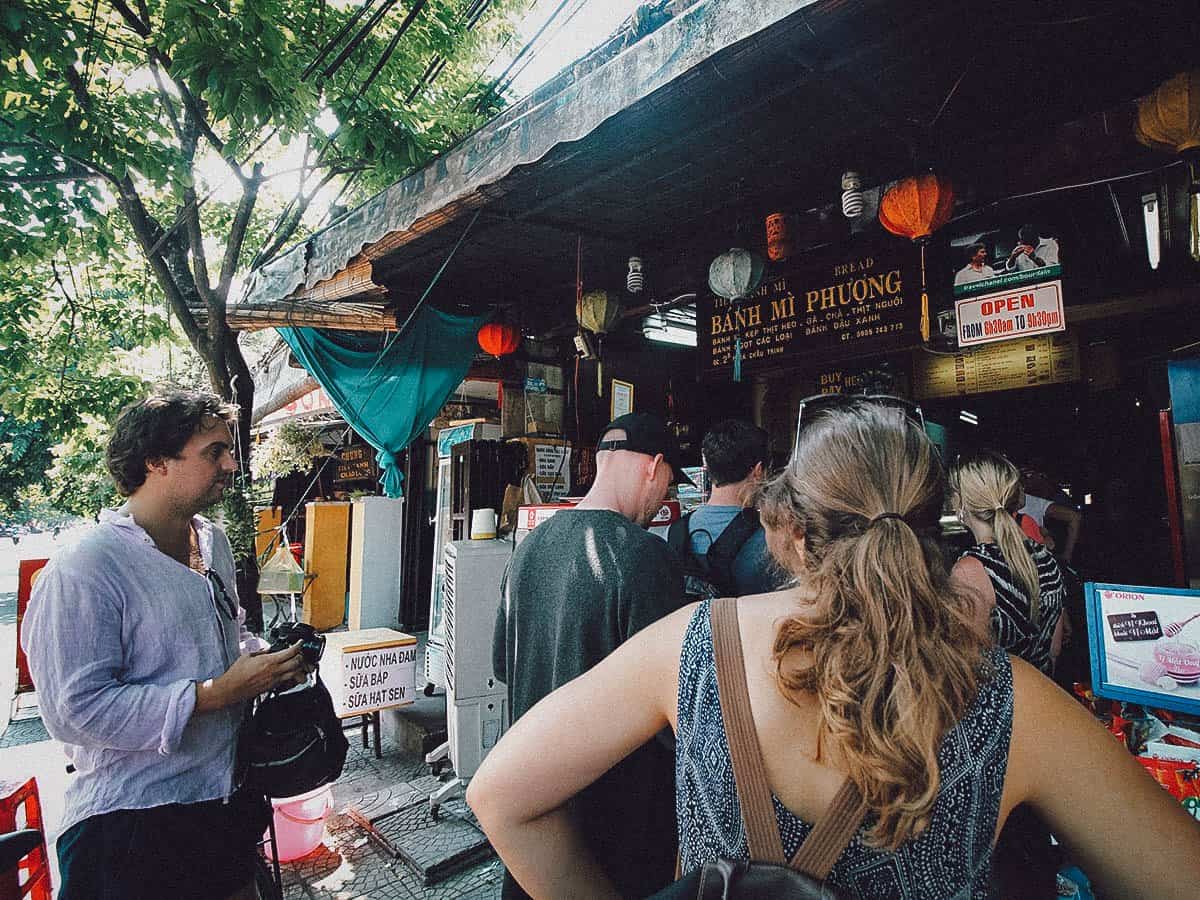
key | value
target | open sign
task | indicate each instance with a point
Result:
(1034, 309)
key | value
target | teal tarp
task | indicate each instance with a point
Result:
(390, 398)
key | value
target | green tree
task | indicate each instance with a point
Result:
(106, 104)
(24, 458)
(124, 107)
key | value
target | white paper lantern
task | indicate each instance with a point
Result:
(735, 274)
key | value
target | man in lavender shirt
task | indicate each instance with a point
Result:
(143, 666)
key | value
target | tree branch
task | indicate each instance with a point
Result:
(290, 222)
(73, 173)
(78, 88)
(150, 234)
(237, 233)
(190, 102)
(62, 288)
(167, 102)
(86, 164)
(132, 19)
(190, 212)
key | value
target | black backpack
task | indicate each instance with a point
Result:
(711, 575)
(291, 743)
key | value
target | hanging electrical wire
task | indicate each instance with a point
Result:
(472, 14)
(521, 55)
(550, 40)
(269, 244)
(336, 39)
(478, 78)
(358, 38)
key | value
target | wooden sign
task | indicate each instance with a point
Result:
(851, 300)
(377, 678)
(1006, 366)
(356, 463)
(369, 669)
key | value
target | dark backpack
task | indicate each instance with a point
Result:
(711, 575)
(291, 743)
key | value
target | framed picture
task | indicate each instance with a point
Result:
(622, 398)
(1144, 644)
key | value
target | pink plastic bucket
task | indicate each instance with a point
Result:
(300, 823)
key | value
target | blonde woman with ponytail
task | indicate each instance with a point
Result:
(1016, 582)
(868, 669)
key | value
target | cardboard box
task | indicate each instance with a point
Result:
(529, 517)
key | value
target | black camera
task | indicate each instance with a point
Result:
(312, 643)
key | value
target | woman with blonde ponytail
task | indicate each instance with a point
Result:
(865, 677)
(1016, 582)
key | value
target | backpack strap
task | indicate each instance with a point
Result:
(834, 831)
(724, 550)
(678, 535)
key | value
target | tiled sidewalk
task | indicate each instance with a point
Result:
(349, 865)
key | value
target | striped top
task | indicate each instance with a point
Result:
(1014, 630)
(950, 860)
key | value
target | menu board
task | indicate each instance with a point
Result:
(837, 303)
(1005, 366)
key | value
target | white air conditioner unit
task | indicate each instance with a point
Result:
(476, 703)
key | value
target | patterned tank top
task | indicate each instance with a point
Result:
(1015, 630)
(950, 859)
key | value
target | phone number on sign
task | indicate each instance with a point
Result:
(875, 331)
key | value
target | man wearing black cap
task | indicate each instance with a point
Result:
(581, 584)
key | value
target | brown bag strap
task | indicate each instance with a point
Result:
(749, 773)
(835, 830)
(824, 845)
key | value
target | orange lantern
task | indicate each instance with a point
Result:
(499, 338)
(1169, 119)
(915, 208)
(779, 237)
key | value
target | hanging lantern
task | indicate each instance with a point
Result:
(779, 237)
(734, 275)
(499, 338)
(599, 312)
(1169, 119)
(915, 208)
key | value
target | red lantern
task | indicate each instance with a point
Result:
(499, 338)
(915, 208)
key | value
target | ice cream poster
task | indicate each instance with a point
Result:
(1145, 644)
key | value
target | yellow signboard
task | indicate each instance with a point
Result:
(1006, 366)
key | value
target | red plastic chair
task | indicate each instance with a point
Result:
(21, 807)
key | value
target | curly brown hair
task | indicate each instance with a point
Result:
(885, 642)
(158, 427)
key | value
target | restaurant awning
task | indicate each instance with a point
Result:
(682, 142)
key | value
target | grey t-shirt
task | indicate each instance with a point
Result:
(579, 586)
